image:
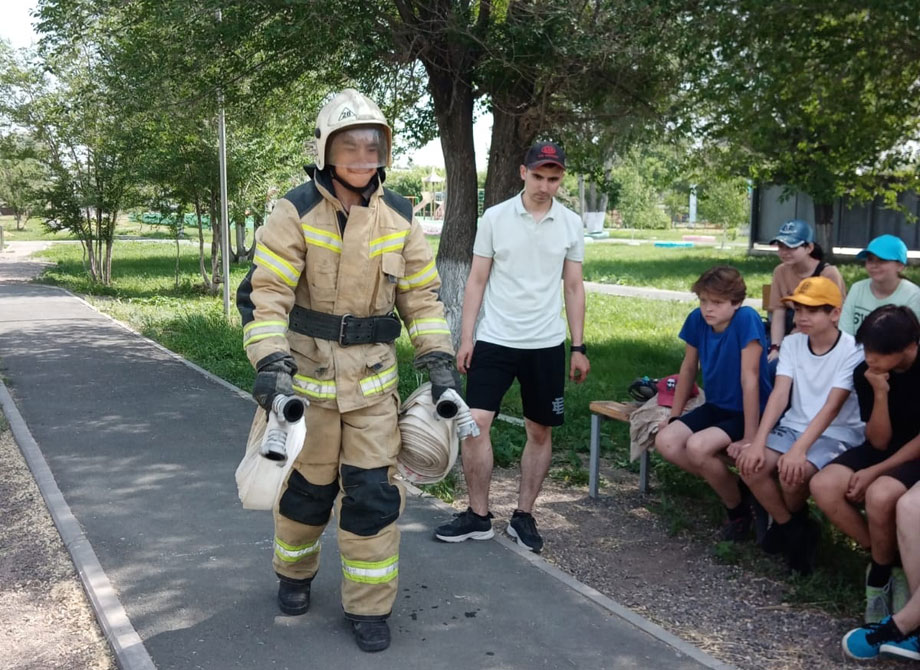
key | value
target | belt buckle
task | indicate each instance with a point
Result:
(342, 327)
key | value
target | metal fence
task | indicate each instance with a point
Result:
(854, 224)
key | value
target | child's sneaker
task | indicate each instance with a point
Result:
(774, 541)
(900, 591)
(802, 537)
(909, 648)
(865, 643)
(878, 601)
(466, 526)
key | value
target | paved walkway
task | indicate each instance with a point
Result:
(140, 450)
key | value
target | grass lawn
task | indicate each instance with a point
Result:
(627, 337)
(678, 268)
(671, 234)
(35, 230)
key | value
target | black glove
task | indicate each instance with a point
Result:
(442, 372)
(274, 376)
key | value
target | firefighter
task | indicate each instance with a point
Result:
(335, 257)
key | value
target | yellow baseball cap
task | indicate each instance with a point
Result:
(816, 291)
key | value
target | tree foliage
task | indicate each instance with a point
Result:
(818, 97)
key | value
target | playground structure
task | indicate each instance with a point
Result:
(431, 205)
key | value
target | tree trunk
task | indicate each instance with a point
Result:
(206, 280)
(453, 107)
(107, 263)
(257, 221)
(824, 227)
(240, 251)
(216, 231)
(512, 134)
(595, 208)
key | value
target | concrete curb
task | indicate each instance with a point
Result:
(129, 650)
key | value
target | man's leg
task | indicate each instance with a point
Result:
(829, 488)
(476, 455)
(535, 462)
(541, 373)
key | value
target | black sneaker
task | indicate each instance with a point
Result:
(774, 540)
(466, 526)
(739, 528)
(802, 536)
(761, 521)
(524, 529)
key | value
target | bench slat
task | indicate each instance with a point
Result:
(612, 409)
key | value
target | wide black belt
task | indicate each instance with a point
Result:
(346, 329)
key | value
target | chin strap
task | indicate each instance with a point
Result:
(364, 191)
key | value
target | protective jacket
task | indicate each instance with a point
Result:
(307, 256)
(313, 265)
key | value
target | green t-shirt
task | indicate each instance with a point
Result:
(861, 302)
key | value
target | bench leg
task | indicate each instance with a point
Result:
(643, 472)
(595, 458)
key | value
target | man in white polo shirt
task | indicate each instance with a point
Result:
(524, 247)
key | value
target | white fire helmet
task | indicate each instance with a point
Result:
(359, 133)
(429, 443)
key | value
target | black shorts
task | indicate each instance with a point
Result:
(865, 456)
(712, 416)
(540, 371)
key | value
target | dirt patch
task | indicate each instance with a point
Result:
(617, 546)
(45, 618)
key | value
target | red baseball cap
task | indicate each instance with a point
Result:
(667, 386)
(544, 153)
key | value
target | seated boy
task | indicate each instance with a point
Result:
(897, 635)
(881, 470)
(822, 421)
(727, 341)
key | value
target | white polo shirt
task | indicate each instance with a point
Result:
(522, 305)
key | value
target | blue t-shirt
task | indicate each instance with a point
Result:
(720, 356)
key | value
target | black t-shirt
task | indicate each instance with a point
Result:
(903, 401)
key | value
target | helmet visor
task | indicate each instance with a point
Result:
(359, 148)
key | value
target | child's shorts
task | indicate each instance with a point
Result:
(865, 456)
(822, 452)
(708, 415)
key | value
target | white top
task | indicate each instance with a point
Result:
(813, 377)
(861, 302)
(522, 305)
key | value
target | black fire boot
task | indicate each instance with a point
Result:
(371, 633)
(294, 595)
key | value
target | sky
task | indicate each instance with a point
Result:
(16, 28)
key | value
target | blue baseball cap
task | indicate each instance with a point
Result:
(886, 247)
(795, 233)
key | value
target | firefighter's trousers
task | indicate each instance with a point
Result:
(347, 463)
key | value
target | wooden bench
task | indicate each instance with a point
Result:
(602, 410)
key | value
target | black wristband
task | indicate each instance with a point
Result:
(580, 348)
(672, 419)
